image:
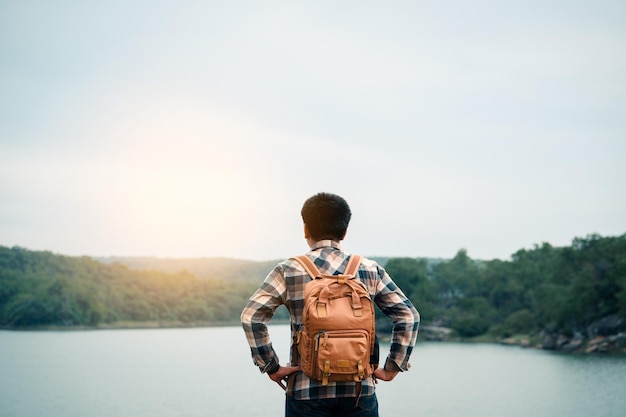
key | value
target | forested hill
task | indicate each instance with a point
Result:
(568, 298)
(227, 269)
(43, 289)
(564, 295)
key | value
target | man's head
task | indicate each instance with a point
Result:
(326, 216)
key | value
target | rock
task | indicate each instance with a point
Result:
(573, 345)
(435, 333)
(548, 342)
(606, 326)
(552, 341)
(511, 341)
(618, 340)
(561, 341)
(599, 344)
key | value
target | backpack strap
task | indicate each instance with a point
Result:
(308, 266)
(353, 265)
(314, 272)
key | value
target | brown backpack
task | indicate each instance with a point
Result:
(337, 338)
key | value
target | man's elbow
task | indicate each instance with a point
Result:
(416, 316)
(413, 318)
(245, 318)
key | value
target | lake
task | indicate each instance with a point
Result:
(209, 372)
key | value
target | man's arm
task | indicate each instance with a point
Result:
(395, 305)
(385, 375)
(257, 313)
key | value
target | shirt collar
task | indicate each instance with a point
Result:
(320, 244)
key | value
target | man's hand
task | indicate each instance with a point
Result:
(384, 375)
(281, 375)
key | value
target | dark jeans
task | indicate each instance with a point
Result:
(332, 407)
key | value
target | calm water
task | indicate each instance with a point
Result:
(208, 372)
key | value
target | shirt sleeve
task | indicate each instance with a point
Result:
(405, 317)
(257, 313)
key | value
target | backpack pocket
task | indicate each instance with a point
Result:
(307, 351)
(343, 355)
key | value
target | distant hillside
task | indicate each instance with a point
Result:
(226, 269)
(46, 289)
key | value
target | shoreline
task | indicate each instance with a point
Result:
(604, 345)
(613, 344)
(133, 325)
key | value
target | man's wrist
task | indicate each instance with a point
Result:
(391, 366)
(273, 369)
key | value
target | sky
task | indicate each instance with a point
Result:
(198, 128)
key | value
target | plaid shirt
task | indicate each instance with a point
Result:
(285, 285)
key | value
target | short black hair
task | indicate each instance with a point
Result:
(326, 216)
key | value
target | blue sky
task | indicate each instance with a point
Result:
(198, 128)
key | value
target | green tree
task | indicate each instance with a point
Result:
(411, 275)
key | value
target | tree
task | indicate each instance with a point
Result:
(410, 275)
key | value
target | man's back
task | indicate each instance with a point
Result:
(326, 218)
(285, 285)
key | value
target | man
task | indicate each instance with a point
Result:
(326, 218)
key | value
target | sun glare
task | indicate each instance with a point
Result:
(176, 181)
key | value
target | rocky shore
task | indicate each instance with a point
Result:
(607, 335)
